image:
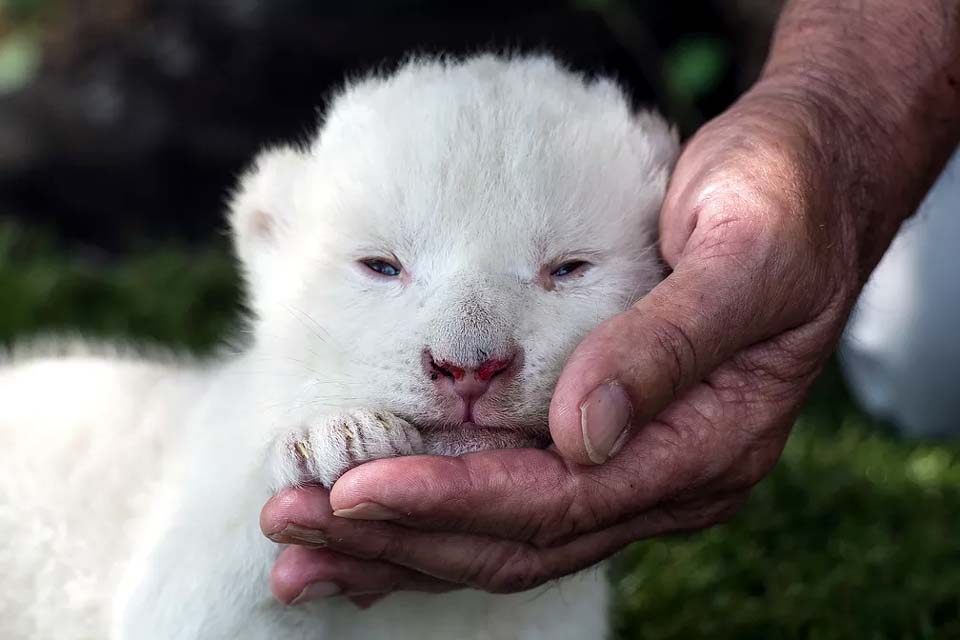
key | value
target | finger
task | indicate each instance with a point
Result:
(513, 493)
(525, 495)
(297, 516)
(301, 575)
(505, 566)
(295, 504)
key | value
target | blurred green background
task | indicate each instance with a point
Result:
(854, 535)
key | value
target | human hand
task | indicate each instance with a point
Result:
(697, 385)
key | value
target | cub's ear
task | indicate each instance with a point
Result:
(656, 146)
(262, 205)
(655, 142)
(261, 213)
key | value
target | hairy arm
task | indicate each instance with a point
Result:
(886, 74)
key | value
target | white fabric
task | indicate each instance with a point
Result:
(901, 350)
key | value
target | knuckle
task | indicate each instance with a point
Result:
(388, 549)
(760, 461)
(505, 570)
(765, 390)
(793, 356)
(540, 531)
(705, 514)
(680, 429)
(731, 225)
(577, 518)
(730, 508)
(677, 353)
(721, 510)
(587, 508)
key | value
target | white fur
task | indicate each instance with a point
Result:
(130, 489)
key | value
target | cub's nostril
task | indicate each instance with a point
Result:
(492, 367)
(469, 379)
(444, 369)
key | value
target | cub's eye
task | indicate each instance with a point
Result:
(383, 267)
(569, 268)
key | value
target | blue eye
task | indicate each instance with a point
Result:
(569, 268)
(382, 267)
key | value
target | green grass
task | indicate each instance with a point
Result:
(855, 535)
(186, 299)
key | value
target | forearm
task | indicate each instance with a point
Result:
(885, 78)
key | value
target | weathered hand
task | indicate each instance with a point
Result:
(697, 385)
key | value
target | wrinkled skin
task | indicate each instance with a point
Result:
(777, 212)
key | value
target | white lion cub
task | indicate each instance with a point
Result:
(417, 275)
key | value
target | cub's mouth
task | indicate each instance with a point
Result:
(455, 440)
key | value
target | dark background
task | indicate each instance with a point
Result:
(123, 122)
(137, 115)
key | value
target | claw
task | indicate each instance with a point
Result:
(303, 449)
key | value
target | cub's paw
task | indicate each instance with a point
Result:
(325, 449)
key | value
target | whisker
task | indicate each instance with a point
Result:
(313, 325)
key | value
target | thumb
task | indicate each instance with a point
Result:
(627, 370)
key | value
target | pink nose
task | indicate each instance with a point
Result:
(469, 382)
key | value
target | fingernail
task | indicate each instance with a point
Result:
(604, 417)
(368, 511)
(295, 534)
(317, 591)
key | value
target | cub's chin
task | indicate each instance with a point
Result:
(456, 440)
